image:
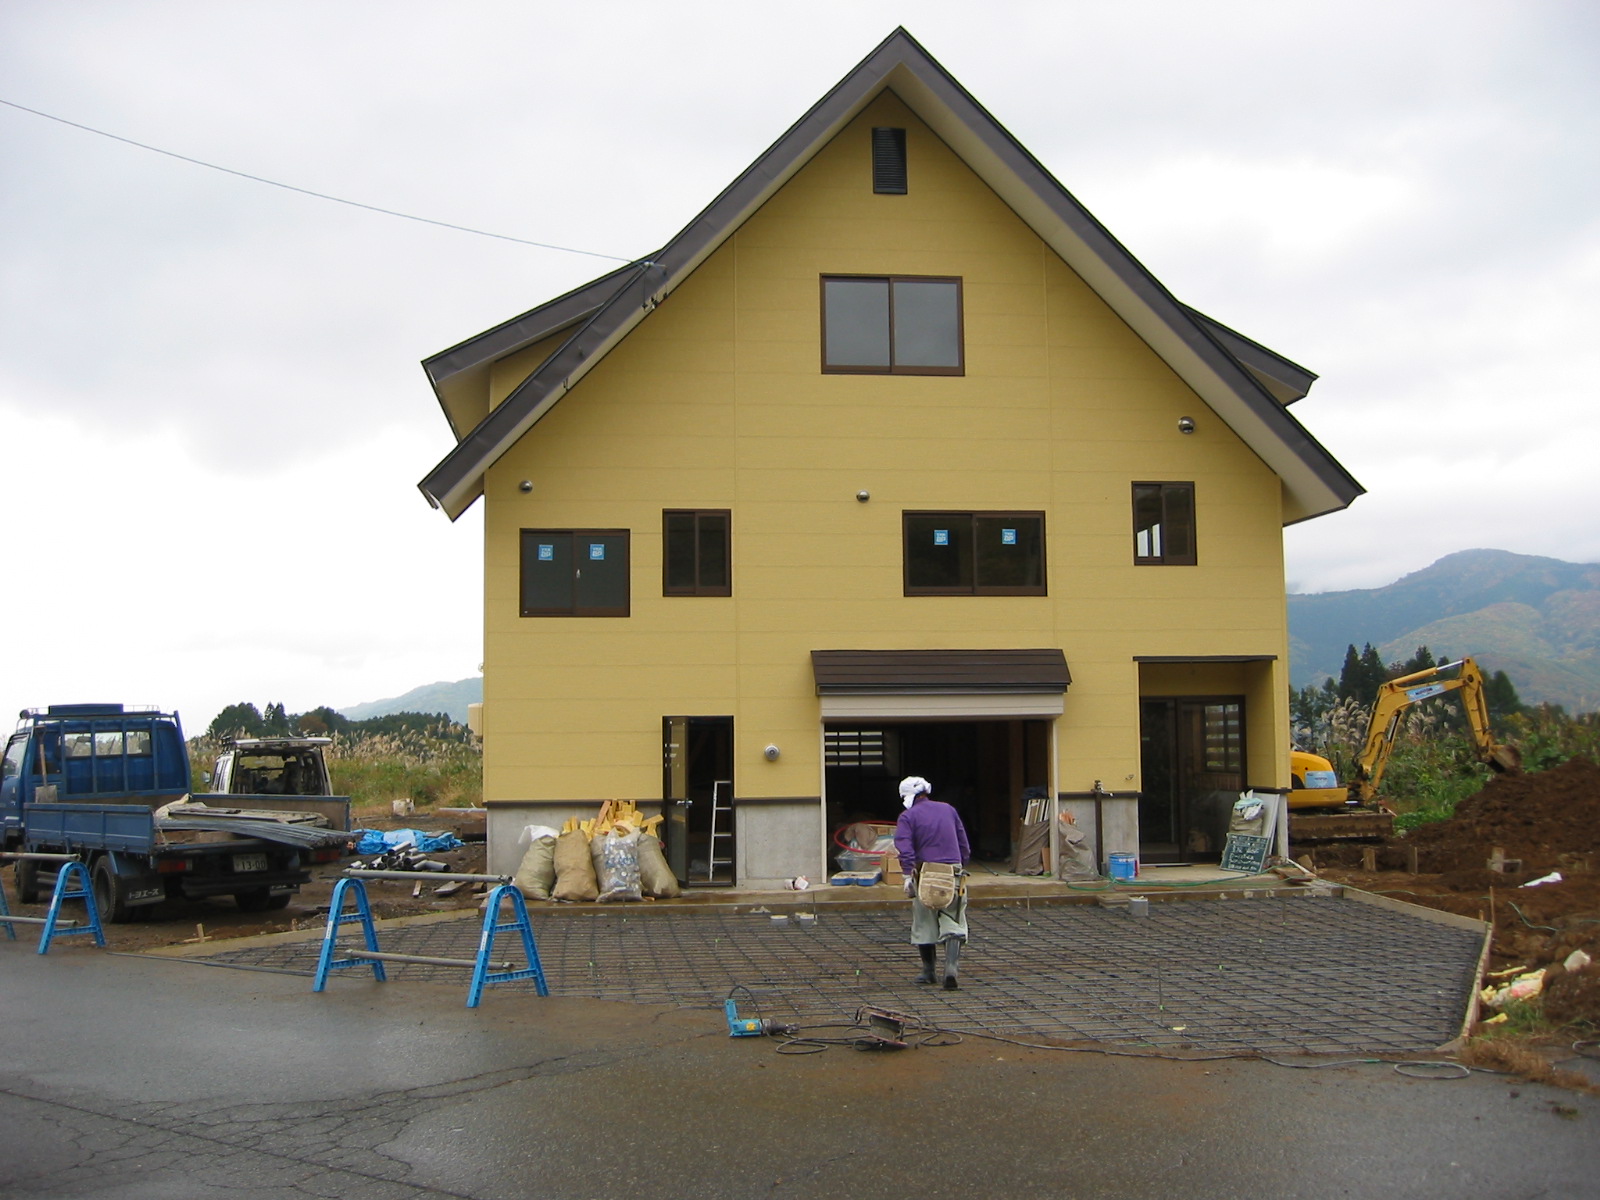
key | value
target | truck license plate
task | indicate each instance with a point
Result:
(249, 862)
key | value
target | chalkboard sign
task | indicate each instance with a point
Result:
(1245, 853)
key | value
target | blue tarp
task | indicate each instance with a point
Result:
(376, 841)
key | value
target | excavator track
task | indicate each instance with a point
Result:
(1366, 825)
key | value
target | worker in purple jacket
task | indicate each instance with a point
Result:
(930, 831)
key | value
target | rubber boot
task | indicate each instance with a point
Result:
(952, 960)
(927, 953)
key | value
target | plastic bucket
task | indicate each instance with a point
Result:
(1123, 866)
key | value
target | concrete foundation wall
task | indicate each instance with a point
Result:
(777, 841)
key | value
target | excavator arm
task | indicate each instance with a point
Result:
(1397, 695)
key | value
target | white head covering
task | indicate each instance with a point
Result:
(913, 786)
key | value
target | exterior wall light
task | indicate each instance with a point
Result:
(1185, 424)
(771, 753)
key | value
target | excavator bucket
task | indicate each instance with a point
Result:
(1505, 759)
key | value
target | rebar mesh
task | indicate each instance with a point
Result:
(1307, 975)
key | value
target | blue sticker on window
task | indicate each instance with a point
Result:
(597, 551)
(941, 537)
(1008, 537)
(547, 552)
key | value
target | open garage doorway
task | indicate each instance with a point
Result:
(984, 768)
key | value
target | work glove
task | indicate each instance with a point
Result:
(910, 887)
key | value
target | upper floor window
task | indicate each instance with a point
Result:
(696, 558)
(888, 161)
(574, 573)
(1163, 524)
(974, 554)
(891, 325)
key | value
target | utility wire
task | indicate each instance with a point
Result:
(289, 187)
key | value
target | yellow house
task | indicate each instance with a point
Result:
(893, 461)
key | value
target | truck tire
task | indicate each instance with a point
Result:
(254, 901)
(27, 881)
(111, 894)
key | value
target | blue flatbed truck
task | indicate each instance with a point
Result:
(111, 786)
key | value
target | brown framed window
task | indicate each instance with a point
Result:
(974, 553)
(1163, 525)
(892, 325)
(697, 552)
(574, 573)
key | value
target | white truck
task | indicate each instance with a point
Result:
(283, 773)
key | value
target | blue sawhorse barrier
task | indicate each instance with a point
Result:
(54, 927)
(482, 966)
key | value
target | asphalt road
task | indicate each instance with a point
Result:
(132, 1077)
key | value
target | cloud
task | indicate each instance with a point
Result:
(148, 576)
(1401, 197)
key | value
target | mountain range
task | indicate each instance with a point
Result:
(1536, 619)
(450, 698)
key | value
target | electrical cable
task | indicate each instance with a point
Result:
(289, 187)
(934, 1036)
(1547, 928)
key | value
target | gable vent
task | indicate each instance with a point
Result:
(889, 161)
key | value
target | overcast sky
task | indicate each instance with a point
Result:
(212, 418)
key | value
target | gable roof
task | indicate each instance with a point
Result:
(1236, 377)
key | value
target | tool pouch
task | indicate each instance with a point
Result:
(937, 885)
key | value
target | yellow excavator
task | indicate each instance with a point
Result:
(1322, 810)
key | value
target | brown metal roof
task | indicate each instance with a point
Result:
(960, 672)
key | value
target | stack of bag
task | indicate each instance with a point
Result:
(615, 857)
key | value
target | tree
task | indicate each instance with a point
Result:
(1350, 674)
(320, 722)
(276, 721)
(237, 720)
(1500, 694)
(1422, 660)
(1362, 675)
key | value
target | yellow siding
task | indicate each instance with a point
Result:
(717, 400)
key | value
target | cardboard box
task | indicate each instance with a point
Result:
(891, 868)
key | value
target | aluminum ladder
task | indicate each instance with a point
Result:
(721, 807)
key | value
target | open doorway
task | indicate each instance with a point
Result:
(984, 769)
(1192, 757)
(697, 795)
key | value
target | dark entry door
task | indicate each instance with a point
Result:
(697, 790)
(1192, 764)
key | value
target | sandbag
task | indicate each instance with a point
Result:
(574, 869)
(537, 873)
(616, 866)
(655, 876)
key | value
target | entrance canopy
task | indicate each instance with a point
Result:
(941, 683)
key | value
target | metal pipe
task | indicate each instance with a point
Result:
(6, 919)
(419, 876)
(425, 959)
(41, 857)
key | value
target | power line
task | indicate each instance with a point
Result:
(289, 187)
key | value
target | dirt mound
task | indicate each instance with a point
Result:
(1547, 821)
(1550, 820)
